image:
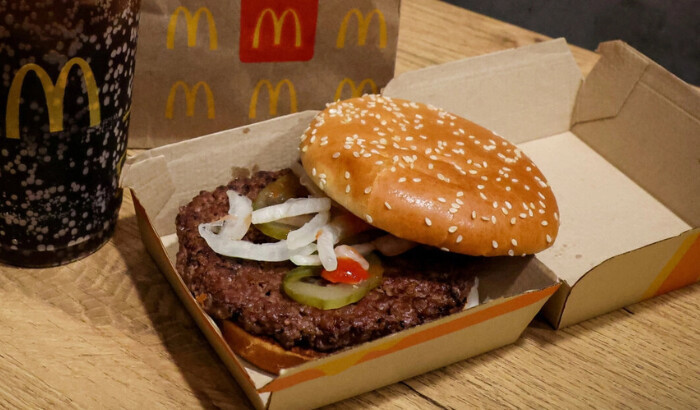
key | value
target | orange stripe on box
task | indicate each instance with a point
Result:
(669, 273)
(416, 338)
(687, 270)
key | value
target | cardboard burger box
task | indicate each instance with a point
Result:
(619, 150)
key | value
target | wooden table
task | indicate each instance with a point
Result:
(108, 331)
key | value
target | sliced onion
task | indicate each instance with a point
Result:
(473, 297)
(327, 237)
(269, 252)
(307, 233)
(306, 260)
(232, 226)
(346, 251)
(292, 207)
(390, 245)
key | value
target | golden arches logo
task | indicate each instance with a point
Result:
(278, 24)
(54, 94)
(355, 91)
(192, 22)
(274, 94)
(362, 27)
(190, 99)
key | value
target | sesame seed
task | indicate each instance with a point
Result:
(347, 175)
(508, 205)
(416, 179)
(386, 204)
(472, 171)
(459, 239)
(441, 199)
(379, 163)
(504, 210)
(512, 221)
(356, 154)
(368, 218)
(510, 252)
(313, 171)
(494, 244)
(485, 218)
(336, 154)
(322, 176)
(402, 179)
(453, 210)
(444, 249)
(545, 223)
(428, 221)
(460, 193)
(347, 188)
(556, 216)
(549, 239)
(493, 219)
(514, 242)
(481, 194)
(473, 214)
(495, 204)
(368, 190)
(452, 229)
(541, 211)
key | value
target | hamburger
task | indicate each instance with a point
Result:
(373, 232)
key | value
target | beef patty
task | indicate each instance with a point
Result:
(419, 286)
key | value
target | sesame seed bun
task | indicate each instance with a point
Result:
(423, 174)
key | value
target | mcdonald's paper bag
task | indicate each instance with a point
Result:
(207, 66)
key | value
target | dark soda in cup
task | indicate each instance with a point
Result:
(66, 69)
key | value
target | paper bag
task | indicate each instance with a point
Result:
(203, 66)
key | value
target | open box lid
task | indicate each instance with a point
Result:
(620, 151)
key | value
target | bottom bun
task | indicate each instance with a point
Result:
(264, 353)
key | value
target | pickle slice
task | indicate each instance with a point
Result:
(279, 191)
(305, 285)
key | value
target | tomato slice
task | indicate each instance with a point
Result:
(348, 271)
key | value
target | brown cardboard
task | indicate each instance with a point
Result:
(618, 242)
(512, 290)
(620, 152)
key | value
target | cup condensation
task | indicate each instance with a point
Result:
(66, 69)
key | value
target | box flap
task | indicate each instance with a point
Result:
(646, 122)
(522, 94)
(602, 212)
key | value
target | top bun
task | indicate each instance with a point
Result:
(423, 174)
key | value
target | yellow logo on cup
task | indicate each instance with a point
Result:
(192, 22)
(274, 94)
(54, 94)
(190, 98)
(355, 91)
(278, 24)
(362, 27)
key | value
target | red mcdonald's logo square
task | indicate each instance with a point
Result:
(277, 30)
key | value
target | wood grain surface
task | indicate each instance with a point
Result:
(108, 331)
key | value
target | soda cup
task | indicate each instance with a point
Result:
(66, 69)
